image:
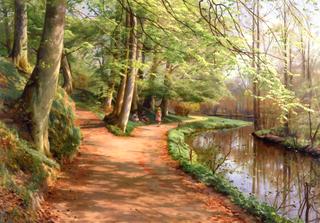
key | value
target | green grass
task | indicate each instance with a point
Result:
(179, 150)
(132, 125)
(86, 100)
(289, 142)
(14, 81)
(175, 118)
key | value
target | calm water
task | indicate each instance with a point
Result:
(286, 180)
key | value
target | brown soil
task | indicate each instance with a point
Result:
(132, 179)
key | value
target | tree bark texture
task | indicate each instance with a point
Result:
(108, 100)
(19, 53)
(132, 72)
(41, 88)
(256, 64)
(6, 28)
(135, 99)
(67, 75)
(120, 95)
(167, 83)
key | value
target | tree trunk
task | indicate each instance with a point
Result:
(135, 99)
(132, 72)
(6, 28)
(149, 103)
(256, 64)
(164, 106)
(19, 52)
(310, 94)
(120, 95)
(286, 60)
(66, 72)
(167, 83)
(41, 88)
(108, 100)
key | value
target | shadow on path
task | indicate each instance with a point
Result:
(132, 179)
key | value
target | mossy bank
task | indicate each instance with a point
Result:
(290, 143)
(24, 172)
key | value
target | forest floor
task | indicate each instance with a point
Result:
(132, 179)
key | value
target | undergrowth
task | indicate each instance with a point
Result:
(179, 150)
(23, 170)
(64, 135)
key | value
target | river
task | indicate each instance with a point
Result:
(286, 180)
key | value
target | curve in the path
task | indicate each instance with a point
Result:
(132, 179)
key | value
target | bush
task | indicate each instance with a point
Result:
(184, 108)
(64, 136)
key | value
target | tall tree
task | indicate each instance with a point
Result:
(41, 88)
(168, 84)
(256, 63)
(120, 95)
(285, 39)
(5, 13)
(66, 72)
(134, 50)
(19, 53)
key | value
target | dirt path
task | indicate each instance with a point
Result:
(132, 179)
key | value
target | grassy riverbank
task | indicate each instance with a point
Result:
(179, 150)
(291, 142)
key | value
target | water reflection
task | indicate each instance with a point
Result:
(288, 181)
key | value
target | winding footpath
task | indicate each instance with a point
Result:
(132, 179)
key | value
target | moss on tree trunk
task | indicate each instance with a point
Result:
(41, 88)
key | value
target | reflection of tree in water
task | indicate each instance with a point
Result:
(310, 194)
(212, 158)
(288, 181)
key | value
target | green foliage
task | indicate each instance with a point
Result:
(277, 131)
(18, 156)
(11, 81)
(179, 151)
(86, 100)
(290, 141)
(64, 136)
